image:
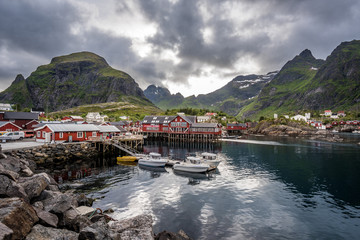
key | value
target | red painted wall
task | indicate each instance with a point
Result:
(9, 126)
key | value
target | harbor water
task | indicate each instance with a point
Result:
(263, 189)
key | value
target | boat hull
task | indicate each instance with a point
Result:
(212, 163)
(193, 169)
(152, 163)
(126, 159)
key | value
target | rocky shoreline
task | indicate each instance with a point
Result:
(32, 207)
(293, 129)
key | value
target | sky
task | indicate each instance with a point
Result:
(189, 46)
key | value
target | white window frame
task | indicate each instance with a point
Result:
(80, 134)
(61, 135)
(8, 130)
(94, 134)
(43, 134)
(38, 134)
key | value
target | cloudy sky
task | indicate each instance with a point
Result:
(188, 46)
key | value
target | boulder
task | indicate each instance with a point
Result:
(5, 232)
(139, 227)
(34, 185)
(17, 215)
(48, 233)
(96, 231)
(57, 202)
(9, 188)
(74, 221)
(165, 235)
(46, 218)
(10, 174)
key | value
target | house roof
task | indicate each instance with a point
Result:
(157, 119)
(107, 128)
(204, 125)
(21, 115)
(76, 117)
(3, 123)
(60, 127)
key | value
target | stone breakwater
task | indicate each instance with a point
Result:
(53, 155)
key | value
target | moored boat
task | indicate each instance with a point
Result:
(153, 160)
(126, 159)
(210, 159)
(192, 164)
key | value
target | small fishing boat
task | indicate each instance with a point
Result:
(126, 159)
(210, 159)
(192, 164)
(153, 160)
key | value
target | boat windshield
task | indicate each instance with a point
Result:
(155, 155)
(209, 156)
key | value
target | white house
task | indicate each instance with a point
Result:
(95, 117)
(299, 118)
(201, 119)
(5, 107)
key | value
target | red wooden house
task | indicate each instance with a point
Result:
(19, 118)
(66, 132)
(9, 127)
(236, 126)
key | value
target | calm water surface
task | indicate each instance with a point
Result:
(279, 189)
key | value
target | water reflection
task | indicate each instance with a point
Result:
(295, 190)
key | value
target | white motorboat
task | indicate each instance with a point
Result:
(210, 159)
(192, 164)
(153, 160)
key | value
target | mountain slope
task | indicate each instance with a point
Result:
(228, 98)
(306, 83)
(76, 79)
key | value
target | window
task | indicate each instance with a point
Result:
(80, 135)
(61, 135)
(43, 134)
(9, 130)
(94, 134)
(38, 134)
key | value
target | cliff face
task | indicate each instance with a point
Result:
(306, 83)
(73, 80)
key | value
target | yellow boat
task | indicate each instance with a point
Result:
(126, 159)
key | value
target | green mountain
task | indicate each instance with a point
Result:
(229, 98)
(74, 80)
(306, 84)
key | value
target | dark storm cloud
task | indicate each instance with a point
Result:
(319, 25)
(266, 32)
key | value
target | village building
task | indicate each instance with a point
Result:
(202, 119)
(299, 118)
(180, 128)
(65, 132)
(9, 127)
(107, 130)
(6, 107)
(235, 128)
(19, 118)
(327, 113)
(95, 117)
(341, 114)
(211, 114)
(72, 119)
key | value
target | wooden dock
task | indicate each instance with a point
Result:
(127, 144)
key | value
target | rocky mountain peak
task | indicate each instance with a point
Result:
(19, 78)
(306, 54)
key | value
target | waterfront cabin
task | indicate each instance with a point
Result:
(334, 123)
(65, 132)
(205, 128)
(342, 122)
(9, 127)
(19, 118)
(106, 130)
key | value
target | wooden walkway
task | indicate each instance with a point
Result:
(127, 144)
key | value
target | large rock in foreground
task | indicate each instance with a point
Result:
(48, 233)
(17, 215)
(139, 227)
